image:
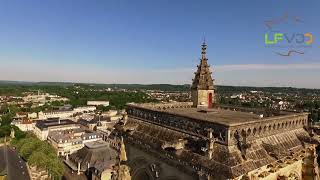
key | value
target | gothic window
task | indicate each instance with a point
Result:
(249, 132)
(260, 130)
(254, 131)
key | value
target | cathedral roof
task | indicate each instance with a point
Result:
(227, 162)
(203, 79)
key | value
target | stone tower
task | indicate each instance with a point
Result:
(202, 89)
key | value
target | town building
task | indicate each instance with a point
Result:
(55, 114)
(96, 159)
(84, 109)
(43, 98)
(98, 103)
(65, 113)
(33, 115)
(66, 142)
(21, 115)
(24, 124)
(108, 136)
(97, 122)
(202, 140)
(38, 98)
(44, 127)
(66, 107)
(112, 115)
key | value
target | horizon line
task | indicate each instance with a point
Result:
(88, 83)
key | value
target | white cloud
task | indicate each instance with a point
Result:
(241, 67)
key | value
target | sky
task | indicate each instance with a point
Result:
(157, 41)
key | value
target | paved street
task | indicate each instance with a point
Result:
(16, 167)
(2, 161)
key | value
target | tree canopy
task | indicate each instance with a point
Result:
(40, 154)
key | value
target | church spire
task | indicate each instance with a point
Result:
(122, 170)
(203, 79)
(202, 89)
(123, 154)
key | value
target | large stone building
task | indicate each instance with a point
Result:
(66, 142)
(44, 127)
(201, 140)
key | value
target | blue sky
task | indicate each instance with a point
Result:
(155, 41)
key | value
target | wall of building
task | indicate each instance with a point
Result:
(97, 103)
(32, 115)
(85, 108)
(65, 148)
(43, 133)
(55, 114)
(25, 126)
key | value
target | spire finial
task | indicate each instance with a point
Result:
(204, 48)
(123, 154)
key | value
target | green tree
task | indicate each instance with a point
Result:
(40, 154)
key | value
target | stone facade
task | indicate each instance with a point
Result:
(186, 148)
(201, 98)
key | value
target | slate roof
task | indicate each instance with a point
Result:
(43, 124)
(98, 154)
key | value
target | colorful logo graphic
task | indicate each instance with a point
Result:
(295, 38)
(291, 39)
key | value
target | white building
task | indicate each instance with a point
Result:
(110, 113)
(44, 127)
(55, 114)
(66, 142)
(35, 98)
(21, 115)
(56, 98)
(84, 109)
(98, 103)
(33, 115)
(42, 98)
(24, 125)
